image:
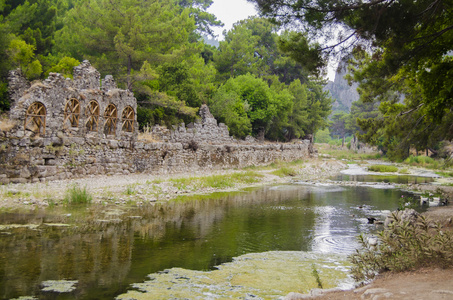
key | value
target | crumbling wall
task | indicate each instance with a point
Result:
(204, 130)
(60, 107)
(60, 144)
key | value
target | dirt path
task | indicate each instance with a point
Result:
(424, 284)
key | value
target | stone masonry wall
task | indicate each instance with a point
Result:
(66, 151)
(25, 161)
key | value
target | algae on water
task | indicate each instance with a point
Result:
(59, 286)
(267, 275)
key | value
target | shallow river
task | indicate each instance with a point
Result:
(261, 243)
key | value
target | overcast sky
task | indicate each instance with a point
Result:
(231, 11)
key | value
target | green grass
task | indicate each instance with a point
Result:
(77, 195)
(216, 181)
(403, 171)
(445, 173)
(285, 171)
(382, 168)
(427, 162)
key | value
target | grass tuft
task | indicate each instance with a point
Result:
(216, 181)
(382, 168)
(77, 195)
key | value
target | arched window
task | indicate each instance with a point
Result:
(35, 118)
(128, 119)
(92, 115)
(72, 112)
(110, 116)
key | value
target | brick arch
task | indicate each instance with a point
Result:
(92, 113)
(35, 118)
(128, 117)
(72, 112)
(110, 118)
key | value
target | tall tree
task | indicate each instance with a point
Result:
(402, 60)
(119, 35)
(203, 20)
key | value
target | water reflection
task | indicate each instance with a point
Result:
(107, 249)
(402, 179)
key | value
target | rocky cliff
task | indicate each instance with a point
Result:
(343, 93)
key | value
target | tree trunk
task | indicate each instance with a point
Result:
(129, 70)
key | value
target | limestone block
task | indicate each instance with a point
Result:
(25, 173)
(113, 144)
(18, 180)
(24, 142)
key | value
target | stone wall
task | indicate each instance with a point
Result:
(57, 148)
(26, 160)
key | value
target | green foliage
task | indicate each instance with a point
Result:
(244, 104)
(65, 66)
(407, 71)
(4, 97)
(382, 168)
(174, 79)
(77, 195)
(419, 160)
(22, 55)
(119, 36)
(403, 246)
(323, 136)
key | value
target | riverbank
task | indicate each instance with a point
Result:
(138, 189)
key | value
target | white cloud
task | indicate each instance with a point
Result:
(229, 12)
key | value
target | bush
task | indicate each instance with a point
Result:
(77, 195)
(382, 168)
(403, 246)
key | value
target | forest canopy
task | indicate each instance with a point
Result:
(252, 81)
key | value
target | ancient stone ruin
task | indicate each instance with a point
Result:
(61, 107)
(68, 128)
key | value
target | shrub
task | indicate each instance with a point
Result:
(78, 195)
(382, 168)
(403, 246)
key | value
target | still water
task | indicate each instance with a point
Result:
(402, 179)
(107, 249)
